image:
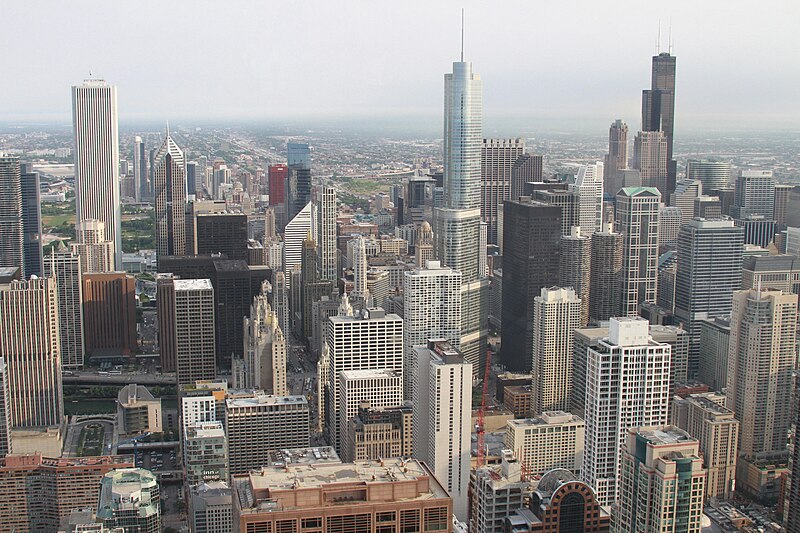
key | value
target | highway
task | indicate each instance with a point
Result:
(140, 378)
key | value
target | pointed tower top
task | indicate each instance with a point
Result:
(658, 39)
(462, 34)
(669, 50)
(167, 128)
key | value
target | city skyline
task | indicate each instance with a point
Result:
(267, 78)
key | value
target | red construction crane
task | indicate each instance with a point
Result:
(480, 429)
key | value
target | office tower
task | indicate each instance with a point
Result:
(423, 249)
(532, 241)
(497, 159)
(138, 411)
(431, 310)
(606, 275)
(553, 440)
(375, 433)
(556, 314)
(109, 313)
(165, 305)
(31, 221)
(313, 289)
(96, 254)
(360, 267)
(280, 300)
(29, 342)
(296, 230)
(377, 388)
(712, 174)
(5, 410)
(627, 385)
(669, 225)
(637, 219)
(130, 499)
(299, 163)
(617, 156)
(457, 222)
(650, 159)
(678, 339)
(713, 357)
(278, 174)
(684, 196)
(783, 193)
(583, 339)
(442, 398)
(709, 270)
(260, 424)
(234, 285)
(264, 363)
(210, 507)
(194, 341)
(658, 107)
(483, 246)
(527, 168)
(51, 488)
(559, 196)
(191, 179)
(369, 340)
(575, 268)
(140, 174)
(755, 194)
(792, 514)
(11, 232)
(707, 207)
(94, 123)
(327, 259)
(222, 233)
(400, 494)
(778, 272)
(205, 451)
(762, 355)
(661, 483)
(587, 188)
(705, 417)
(559, 504)
(169, 193)
(495, 492)
(64, 266)
(758, 230)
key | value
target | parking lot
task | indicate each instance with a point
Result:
(161, 460)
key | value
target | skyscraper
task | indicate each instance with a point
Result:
(432, 310)
(650, 149)
(194, 330)
(29, 342)
(713, 175)
(709, 270)
(64, 266)
(762, 355)
(169, 193)
(617, 156)
(327, 251)
(94, 123)
(296, 230)
(575, 268)
(264, 363)
(637, 219)
(497, 160)
(457, 223)
(532, 241)
(11, 232)
(658, 110)
(606, 275)
(527, 168)
(31, 221)
(299, 163)
(556, 315)
(755, 194)
(129, 499)
(377, 388)
(588, 190)
(140, 175)
(96, 254)
(627, 386)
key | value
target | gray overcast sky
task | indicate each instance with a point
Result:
(580, 62)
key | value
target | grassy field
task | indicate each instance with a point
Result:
(51, 221)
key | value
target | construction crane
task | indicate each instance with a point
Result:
(481, 426)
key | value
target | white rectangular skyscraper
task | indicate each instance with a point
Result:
(94, 124)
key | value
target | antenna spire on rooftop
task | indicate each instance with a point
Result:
(462, 34)
(658, 40)
(670, 37)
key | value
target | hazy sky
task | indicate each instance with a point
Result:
(577, 63)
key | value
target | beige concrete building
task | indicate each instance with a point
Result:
(705, 417)
(553, 440)
(375, 433)
(138, 411)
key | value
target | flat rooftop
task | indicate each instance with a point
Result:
(549, 418)
(301, 456)
(665, 435)
(192, 284)
(366, 374)
(265, 399)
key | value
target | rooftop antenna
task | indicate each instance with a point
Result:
(670, 37)
(658, 41)
(462, 34)
(167, 128)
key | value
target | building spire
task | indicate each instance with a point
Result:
(462, 34)
(658, 40)
(670, 37)
(167, 128)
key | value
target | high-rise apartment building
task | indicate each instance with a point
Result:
(94, 125)
(259, 424)
(30, 344)
(627, 385)
(263, 365)
(11, 232)
(650, 159)
(705, 417)
(709, 270)
(130, 499)
(712, 174)
(575, 268)
(299, 181)
(31, 221)
(109, 313)
(195, 352)
(95, 253)
(527, 168)
(556, 314)
(658, 110)
(605, 283)
(587, 187)
(637, 219)
(370, 339)
(497, 160)
(65, 268)
(713, 357)
(169, 192)
(532, 242)
(554, 440)
(431, 310)
(762, 355)
(442, 399)
(661, 482)
(327, 258)
(617, 156)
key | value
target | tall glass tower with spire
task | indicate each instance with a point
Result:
(457, 223)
